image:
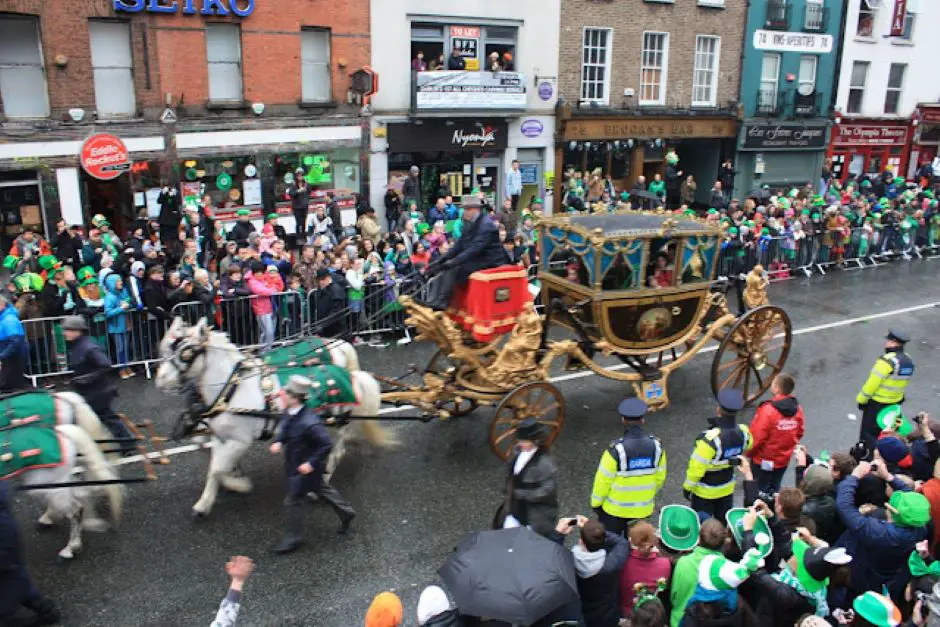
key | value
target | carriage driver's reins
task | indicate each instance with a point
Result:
(197, 411)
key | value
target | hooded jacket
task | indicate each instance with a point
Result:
(262, 304)
(114, 298)
(777, 428)
(135, 285)
(12, 336)
(598, 575)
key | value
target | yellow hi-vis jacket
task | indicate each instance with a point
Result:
(710, 474)
(629, 475)
(888, 379)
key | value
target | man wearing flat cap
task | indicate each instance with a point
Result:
(709, 479)
(886, 384)
(306, 445)
(630, 473)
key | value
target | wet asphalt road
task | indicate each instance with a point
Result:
(414, 503)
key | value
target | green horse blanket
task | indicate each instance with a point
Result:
(28, 438)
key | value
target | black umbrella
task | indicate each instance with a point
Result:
(759, 193)
(642, 193)
(513, 575)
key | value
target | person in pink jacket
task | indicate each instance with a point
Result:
(644, 568)
(264, 286)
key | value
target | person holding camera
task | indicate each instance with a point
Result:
(709, 480)
(885, 385)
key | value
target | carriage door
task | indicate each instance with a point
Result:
(486, 179)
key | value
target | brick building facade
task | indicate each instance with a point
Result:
(641, 77)
(104, 66)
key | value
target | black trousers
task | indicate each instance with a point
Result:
(441, 288)
(869, 430)
(515, 201)
(715, 508)
(11, 375)
(620, 526)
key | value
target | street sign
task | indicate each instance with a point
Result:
(168, 116)
(105, 157)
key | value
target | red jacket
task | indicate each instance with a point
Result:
(777, 428)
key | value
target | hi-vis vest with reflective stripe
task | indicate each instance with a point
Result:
(888, 379)
(710, 474)
(630, 473)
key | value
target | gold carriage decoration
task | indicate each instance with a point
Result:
(633, 287)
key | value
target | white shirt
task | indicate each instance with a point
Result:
(293, 411)
(522, 460)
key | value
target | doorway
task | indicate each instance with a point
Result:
(112, 199)
(486, 179)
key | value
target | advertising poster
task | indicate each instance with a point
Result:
(466, 40)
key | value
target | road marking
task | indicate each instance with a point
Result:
(580, 375)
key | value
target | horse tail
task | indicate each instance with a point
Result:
(97, 465)
(349, 352)
(370, 401)
(84, 416)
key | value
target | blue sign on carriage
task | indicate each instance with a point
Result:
(652, 391)
(241, 8)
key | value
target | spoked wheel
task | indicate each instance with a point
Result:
(441, 364)
(541, 401)
(753, 352)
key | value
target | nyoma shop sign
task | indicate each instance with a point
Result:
(241, 8)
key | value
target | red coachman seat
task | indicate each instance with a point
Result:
(491, 301)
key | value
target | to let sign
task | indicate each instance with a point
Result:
(897, 18)
(858, 135)
(105, 156)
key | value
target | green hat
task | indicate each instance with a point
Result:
(815, 215)
(712, 211)
(679, 527)
(86, 276)
(818, 201)
(793, 193)
(243, 212)
(762, 535)
(910, 509)
(733, 230)
(690, 213)
(814, 565)
(804, 212)
(866, 183)
(877, 609)
(48, 262)
(765, 231)
(10, 261)
(899, 180)
(624, 196)
(28, 282)
(271, 216)
(538, 201)
(422, 228)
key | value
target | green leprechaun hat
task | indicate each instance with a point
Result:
(815, 565)
(877, 609)
(10, 261)
(86, 276)
(28, 282)
(762, 535)
(891, 418)
(679, 527)
(243, 212)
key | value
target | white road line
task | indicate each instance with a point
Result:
(580, 375)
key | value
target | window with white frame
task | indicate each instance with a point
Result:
(224, 53)
(22, 75)
(908, 33)
(315, 65)
(857, 86)
(595, 65)
(895, 84)
(867, 12)
(705, 72)
(113, 68)
(653, 63)
(807, 75)
(769, 79)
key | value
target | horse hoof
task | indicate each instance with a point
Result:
(44, 526)
(64, 559)
(197, 515)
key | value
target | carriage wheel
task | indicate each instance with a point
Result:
(539, 400)
(753, 352)
(441, 364)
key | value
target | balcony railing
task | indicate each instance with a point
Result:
(815, 17)
(769, 102)
(778, 15)
(806, 106)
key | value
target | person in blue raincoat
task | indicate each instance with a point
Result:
(21, 604)
(14, 350)
(303, 439)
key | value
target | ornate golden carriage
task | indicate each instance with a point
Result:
(638, 291)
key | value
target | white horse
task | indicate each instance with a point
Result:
(209, 360)
(75, 503)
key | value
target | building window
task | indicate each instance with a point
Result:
(315, 65)
(653, 64)
(865, 27)
(814, 18)
(895, 84)
(857, 86)
(769, 77)
(435, 43)
(224, 52)
(908, 33)
(807, 77)
(595, 65)
(705, 72)
(22, 75)
(112, 64)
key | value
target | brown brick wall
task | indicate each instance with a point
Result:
(683, 20)
(174, 48)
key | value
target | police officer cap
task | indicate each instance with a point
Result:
(731, 400)
(898, 335)
(631, 409)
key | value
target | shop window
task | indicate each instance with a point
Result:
(317, 167)
(223, 48)
(595, 65)
(857, 86)
(865, 27)
(705, 71)
(895, 84)
(315, 65)
(113, 68)
(23, 87)
(654, 60)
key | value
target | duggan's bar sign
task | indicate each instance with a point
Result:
(241, 8)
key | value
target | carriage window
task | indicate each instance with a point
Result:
(697, 257)
(621, 264)
(660, 273)
(566, 265)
